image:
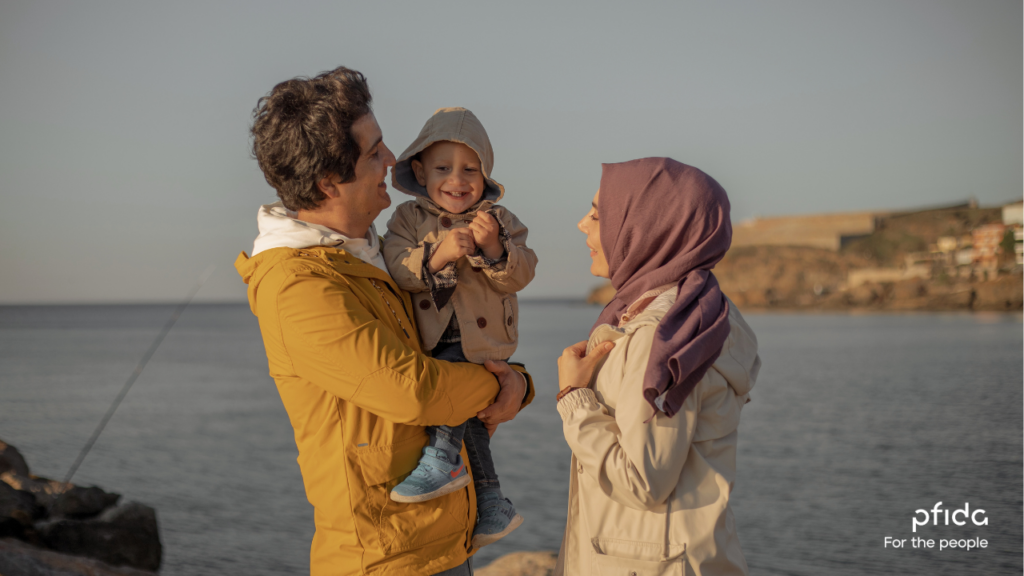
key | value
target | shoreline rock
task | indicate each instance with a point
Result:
(540, 563)
(57, 525)
(11, 460)
(18, 558)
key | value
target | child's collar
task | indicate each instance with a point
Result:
(430, 206)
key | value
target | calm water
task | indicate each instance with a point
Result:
(856, 422)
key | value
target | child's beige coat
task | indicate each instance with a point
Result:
(485, 299)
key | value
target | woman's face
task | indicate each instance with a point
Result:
(592, 228)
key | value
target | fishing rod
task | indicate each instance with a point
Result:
(138, 370)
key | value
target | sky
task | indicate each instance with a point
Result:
(125, 168)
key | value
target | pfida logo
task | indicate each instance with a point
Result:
(959, 517)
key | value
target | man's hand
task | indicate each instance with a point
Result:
(485, 234)
(510, 398)
(458, 243)
(575, 367)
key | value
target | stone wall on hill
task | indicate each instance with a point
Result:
(824, 231)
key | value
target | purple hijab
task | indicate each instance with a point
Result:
(665, 222)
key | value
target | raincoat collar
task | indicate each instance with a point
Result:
(431, 207)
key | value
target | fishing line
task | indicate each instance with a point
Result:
(138, 370)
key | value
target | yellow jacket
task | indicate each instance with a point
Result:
(343, 349)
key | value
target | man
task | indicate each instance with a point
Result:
(341, 342)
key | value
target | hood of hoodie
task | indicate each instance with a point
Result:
(452, 125)
(280, 228)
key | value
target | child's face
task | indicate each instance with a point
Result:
(451, 173)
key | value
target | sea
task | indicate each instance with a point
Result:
(857, 426)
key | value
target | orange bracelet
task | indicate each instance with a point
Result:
(565, 392)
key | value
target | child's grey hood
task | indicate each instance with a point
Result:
(452, 125)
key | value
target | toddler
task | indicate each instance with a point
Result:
(463, 258)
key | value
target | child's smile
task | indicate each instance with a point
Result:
(451, 173)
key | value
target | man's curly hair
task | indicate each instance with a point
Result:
(302, 131)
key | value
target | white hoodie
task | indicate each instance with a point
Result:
(280, 228)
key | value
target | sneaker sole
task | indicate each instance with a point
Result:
(458, 483)
(481, 540)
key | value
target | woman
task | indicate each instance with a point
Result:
(651, 403)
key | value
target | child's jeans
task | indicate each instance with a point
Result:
(472, 431)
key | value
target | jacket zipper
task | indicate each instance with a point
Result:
(385, 299)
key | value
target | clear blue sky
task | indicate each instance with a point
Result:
(124, 161)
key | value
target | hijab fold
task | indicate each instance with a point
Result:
(665, 222)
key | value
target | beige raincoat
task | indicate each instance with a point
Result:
(485, 300)
(650, 496)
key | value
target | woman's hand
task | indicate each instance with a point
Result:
(576, 367)
(510, 398)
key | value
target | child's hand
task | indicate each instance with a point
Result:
(485, 234)
(458, 243)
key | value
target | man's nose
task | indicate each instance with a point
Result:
(389, 156)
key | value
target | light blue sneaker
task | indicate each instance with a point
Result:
(434, 476)
(498, 518)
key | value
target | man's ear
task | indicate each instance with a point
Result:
(419, 172)
(328, 185)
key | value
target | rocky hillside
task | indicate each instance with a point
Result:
(895, 267)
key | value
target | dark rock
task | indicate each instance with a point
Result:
(60, 499)
(11, 460)
(122, 535)
(17, 505)
(44, 489)
(20, 559)
(521, 564)
(11, 528)
(79, 502)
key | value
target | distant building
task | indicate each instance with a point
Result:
(1013, 213)
(861, 276)
(1018, 245)
(986, 240)
(946, 244)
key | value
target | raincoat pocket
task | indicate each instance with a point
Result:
(398, 526)
(613, 557)
(379, 464)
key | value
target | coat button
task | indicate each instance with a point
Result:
(446, 222)
(481, 322)
(509, 321)
(424, 304)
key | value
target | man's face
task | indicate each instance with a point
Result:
(367, 195)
